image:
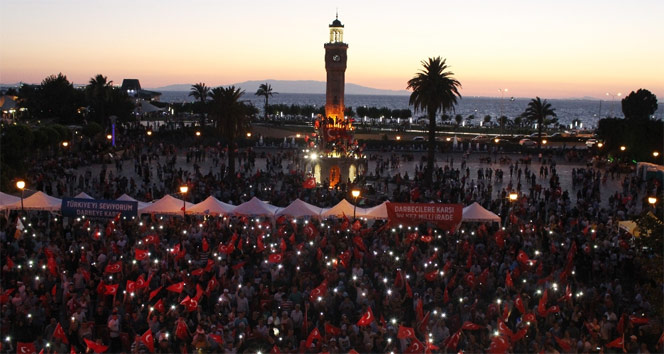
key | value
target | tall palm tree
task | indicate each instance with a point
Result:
(434, 89)
(265, 90)
(539, 110)
(199, 92)
(99, 92)
(231, 118)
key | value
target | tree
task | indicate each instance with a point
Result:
(502, 120)
(458, 119)
(639, 105)
(539, 110)
(487, 119)
(56, 97)
(200, 93)
(231, 118)
(434, 89)
(265, 90)
(98, 93)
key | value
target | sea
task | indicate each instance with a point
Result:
(586, 111)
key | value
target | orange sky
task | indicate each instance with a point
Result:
(552, 49)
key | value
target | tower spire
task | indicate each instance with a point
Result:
(337, 13)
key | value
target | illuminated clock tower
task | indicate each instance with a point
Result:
(335, 65)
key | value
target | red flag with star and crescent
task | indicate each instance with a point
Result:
(25, 348)
(60, 334)
(148, 340)
(366, 318)
(95, 347)
(405, 332)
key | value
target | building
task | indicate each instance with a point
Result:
(133, 89)
(335, 65)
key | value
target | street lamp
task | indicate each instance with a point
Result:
(613, 96)
(20, 184)
(109, 136)
(248, 134)
(599, 145)
(655, 153)
(398, 137)
(355, 193)
(149, 133)
(65, 143)
(183, 190)
(198, 133)
(513, 196)
(544, 141)
(623, 147)
(652, 201)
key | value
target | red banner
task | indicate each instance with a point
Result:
(445, 216)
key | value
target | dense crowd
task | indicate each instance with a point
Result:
(558, 276)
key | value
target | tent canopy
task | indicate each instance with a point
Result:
(83, 195)
(255, 207)
(6, 199)
(343, 208)
(167, 205)
(37, 201)
(377, 212)
(211, 206)
(298, 208)
(476, 213)
(127, 198)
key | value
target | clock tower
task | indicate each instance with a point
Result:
(335, 65)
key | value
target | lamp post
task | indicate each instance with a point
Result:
(113, 119)
(655, 153)
(512, 198)
(183, 190)
(652, 201)
(21, 185)
(355, 193)
(613, 96)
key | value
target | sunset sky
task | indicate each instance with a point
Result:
(552, 49)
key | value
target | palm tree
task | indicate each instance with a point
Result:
(539, 110)
(231, 118)
(200, 92)
(98, 92)
(265, 90)
(434, 89)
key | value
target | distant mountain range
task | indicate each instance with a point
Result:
(294, 86)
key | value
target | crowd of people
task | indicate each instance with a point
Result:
(557, 275)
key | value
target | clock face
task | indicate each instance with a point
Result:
(336, 57)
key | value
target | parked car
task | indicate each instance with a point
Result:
(418, 138)
(527, 143)
(534, 135)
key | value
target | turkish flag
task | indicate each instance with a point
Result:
(60, 334)
(113, 268)
(159, 306)
(181, 330)
(141, 254)
(518, 302)
(111, 289)
(523, 258)
(140, 282)
(509, 283)
(148, 340)
(446, 296)
(519, 334)
(500, 238)
(176, 288)
(10, 263)
(616, 343)
(564, 345)
(310, 231)
(217, 338)
(424, 324)
(638, 320)
(431, 276)
(541, 306)
(197, 272)
(283, 245)
(25, 348)
(415, 347)
(360, 243)
(97, 348)
(344, 258)
(409, 291)
(320, 290)
(453, 341)
(366, 318)
(309, 183)
(131, 286)
(275, 258)
(190, 304)
(52, 266)
(332, 330)
(205, 245)
(315, 334)
(503, 329)
(275, 350)
(154, 293)
(470, 326)
(405, 332)
(499, 345)
(529, 317)
(210, 265)
(151, 240)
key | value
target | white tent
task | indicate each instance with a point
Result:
(477, 213)
(378, 212)
(6, 199)
(127, 198)
(298, 208)
(37, 201)
(211, 206)
(167, 205)
(343, 208)
(83, 195)
(255, 207)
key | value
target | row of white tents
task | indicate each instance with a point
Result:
(169, 205)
